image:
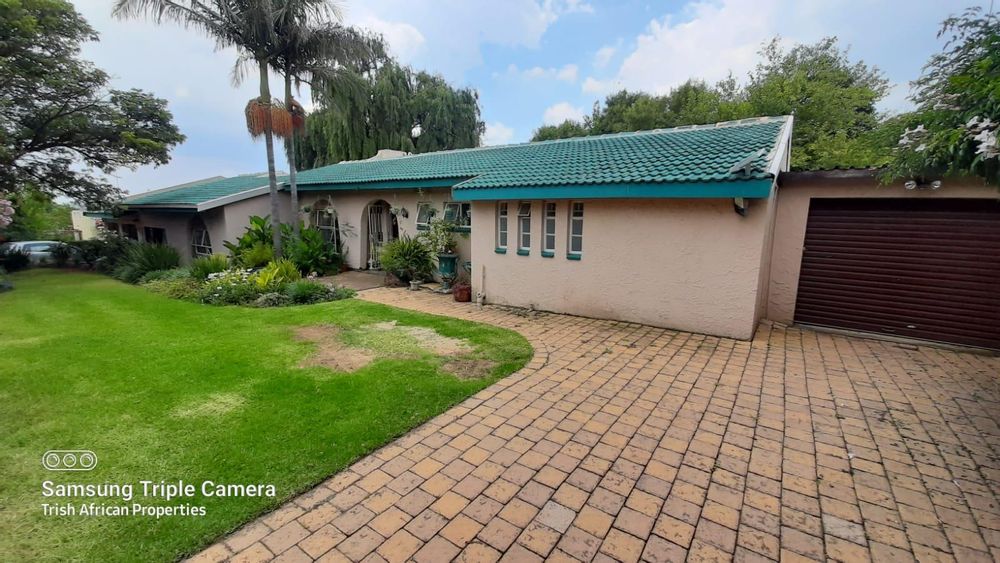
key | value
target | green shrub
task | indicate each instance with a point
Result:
(276, 274)
(144, 258)
(407, 258)
(14, 260)
(202, 267)
(305, 291)
(256, 256)
(103, 254)
(273, 299)
(174, 274)
(311, 253)
(232, 287)
(338, 293)
(5, 284)
(187, 288)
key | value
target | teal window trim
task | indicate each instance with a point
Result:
(523, 252)
(462, 229)
(548, 254)
(499, 250)
(571, 256)
(665, 190)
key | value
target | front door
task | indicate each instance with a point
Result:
(380, 231)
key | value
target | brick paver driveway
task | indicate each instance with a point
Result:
(626, 442)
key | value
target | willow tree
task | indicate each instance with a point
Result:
(394, 108)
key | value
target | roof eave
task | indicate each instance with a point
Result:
(382, 185)
(759, 188)
(233, 198)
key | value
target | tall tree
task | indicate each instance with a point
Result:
(318, 54)
(954, 129)
(62, 129)
(394, 108)
(249, 26)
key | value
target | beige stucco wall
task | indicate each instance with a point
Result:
(793, 199)
(237, 216)
(693, 265)
(351, 207)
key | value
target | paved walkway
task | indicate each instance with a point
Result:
(626, 442)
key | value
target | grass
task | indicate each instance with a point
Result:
(163, 389)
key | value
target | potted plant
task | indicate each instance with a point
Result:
(409, 259)
(440, 236)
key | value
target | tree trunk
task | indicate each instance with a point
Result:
(265, 97)
(290, 152)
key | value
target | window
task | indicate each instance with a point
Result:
(458, 213)
(201, 243)
(523, 227)
(502, 225)
(549, 239)
(576, 229)
(425, 212)
(325, 219)
(112, 227)
(130, 231)
(155, 235)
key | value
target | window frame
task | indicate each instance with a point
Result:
(549, 211)
(331, 232)
(431, 212)
(524, 227)
(502, 226)
(196, 244)
(574, 219)
(465, 219)
(132, 228)
(146, 232)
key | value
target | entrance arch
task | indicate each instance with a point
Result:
(380, 226)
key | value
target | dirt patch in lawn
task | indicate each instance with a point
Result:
(330, 352)
(214, 405)
(428, 339)
(469, 368)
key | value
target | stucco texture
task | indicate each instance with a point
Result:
(691, 265)
(793, 198)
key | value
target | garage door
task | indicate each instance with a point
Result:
(927, 269)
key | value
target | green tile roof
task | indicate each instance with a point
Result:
(686, 161)
(191, 195)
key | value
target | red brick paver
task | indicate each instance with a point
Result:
(626, 442)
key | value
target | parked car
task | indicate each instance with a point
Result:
(39, 250)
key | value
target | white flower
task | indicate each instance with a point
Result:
(921, 148)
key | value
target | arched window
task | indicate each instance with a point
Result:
(324, 218)
(201, 243)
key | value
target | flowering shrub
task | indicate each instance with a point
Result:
(231, 287)
(6, 213)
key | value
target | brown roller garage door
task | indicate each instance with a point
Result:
(926, 268)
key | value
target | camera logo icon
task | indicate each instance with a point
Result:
(69, 460)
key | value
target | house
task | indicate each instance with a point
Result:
(699, 228)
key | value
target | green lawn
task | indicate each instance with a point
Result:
(165, 390)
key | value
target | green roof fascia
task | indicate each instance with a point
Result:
(691, 190)
(384, 185)
(99, 214)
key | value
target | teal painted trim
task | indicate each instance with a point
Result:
(499, 250)
(666, 190)
(99, 214)
(423, 228)
(574, 256)
(522, 252)
(548, 254)
(461, 229)
(385, 185)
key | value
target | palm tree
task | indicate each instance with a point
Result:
(321, 56)
(249, 26)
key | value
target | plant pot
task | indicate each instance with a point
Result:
(462, 292)
(414, 285)
(447, 268)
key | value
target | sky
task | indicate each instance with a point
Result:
(533, 62)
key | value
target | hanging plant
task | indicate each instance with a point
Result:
(260, 114)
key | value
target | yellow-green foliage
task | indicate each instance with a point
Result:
(277, 274)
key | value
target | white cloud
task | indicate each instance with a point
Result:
(405, 41)
(556, 114)
(603, 55)
(497, 134)
(594, 86)
(567, 73)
